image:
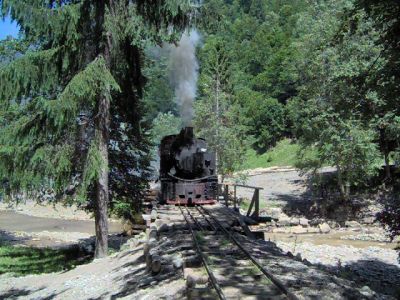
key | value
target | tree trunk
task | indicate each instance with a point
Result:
(102, 194)
(387, 163)
(217, 154)
(341, 183)
(102, 128)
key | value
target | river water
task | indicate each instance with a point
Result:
(13, 221)
(21, 229)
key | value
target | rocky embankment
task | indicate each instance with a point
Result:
(357, 250)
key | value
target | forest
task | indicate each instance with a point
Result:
(86, 95)
(317, 78)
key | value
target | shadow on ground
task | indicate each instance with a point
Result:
(14, 294)
(377, 275)
(11, 238)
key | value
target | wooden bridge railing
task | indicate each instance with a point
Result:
(255, 201)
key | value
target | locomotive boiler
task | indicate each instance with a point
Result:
(187, 170)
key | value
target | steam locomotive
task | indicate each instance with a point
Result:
(187, 170)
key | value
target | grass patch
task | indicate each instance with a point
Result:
(283, 154)
(19, 261)
(245, 204)
(200, 238)
(225, 242)
(250, 271)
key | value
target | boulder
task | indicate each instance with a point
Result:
(283, 220)
(298, 229)
(275, 212)
(368, 220)
(313, 230)
(294, 221)
(366, 291)
(352, 224)
(280, 230)
(324, 228)
(303, 221)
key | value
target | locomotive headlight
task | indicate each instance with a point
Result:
(203, 150)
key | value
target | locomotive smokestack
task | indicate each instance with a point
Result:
(188, 132)
(184, 74)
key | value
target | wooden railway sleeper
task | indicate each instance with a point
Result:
(276, 281)
(210, 274)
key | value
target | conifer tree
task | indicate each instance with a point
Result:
(70, 110)
(217, 115)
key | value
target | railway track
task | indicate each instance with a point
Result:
(233, 271)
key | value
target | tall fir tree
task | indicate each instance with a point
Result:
(217, 115)
(70, 102)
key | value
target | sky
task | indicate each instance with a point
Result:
(8, 28)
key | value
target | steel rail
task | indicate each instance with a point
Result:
(208, 221)
(199, 226)
(205, 264)
(275, 280)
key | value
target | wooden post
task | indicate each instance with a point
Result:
(251, 204)
(234, 198)
(256, 213)
(226, 195)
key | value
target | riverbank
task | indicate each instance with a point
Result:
(21, 229)
(47, 210)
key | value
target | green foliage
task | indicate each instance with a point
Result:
(330, 115)
(26, 146)
(71, 55)
(159, 95)
(216, 113)
(382, 87)
(164, 124)
(259, 40)
(267, 121)
(20, 261)
(349, 147)
(283, 154)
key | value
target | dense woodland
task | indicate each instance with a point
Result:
(324, 74)
(85, 93)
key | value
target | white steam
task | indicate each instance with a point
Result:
(184, 74)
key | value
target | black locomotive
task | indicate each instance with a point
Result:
(187, 170)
